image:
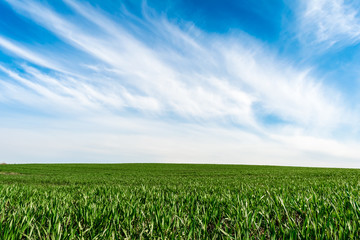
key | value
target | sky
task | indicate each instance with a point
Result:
(192, 81)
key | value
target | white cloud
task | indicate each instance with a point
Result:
(25, 53)
(330, 22)
(203, 86)
(183, 73)
(142, 68)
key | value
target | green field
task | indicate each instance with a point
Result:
(173, 201)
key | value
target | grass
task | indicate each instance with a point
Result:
(173, 201)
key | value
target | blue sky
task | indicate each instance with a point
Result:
(238, 82)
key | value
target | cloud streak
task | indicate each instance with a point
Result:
(330, 22)
(178, 74)
(214, 87)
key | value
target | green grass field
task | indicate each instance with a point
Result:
(173, 201)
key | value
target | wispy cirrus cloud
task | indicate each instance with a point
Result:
(178, 74)
(15, 48)
(330, 22)
(216, 78)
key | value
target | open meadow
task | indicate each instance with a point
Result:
(177, 201)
